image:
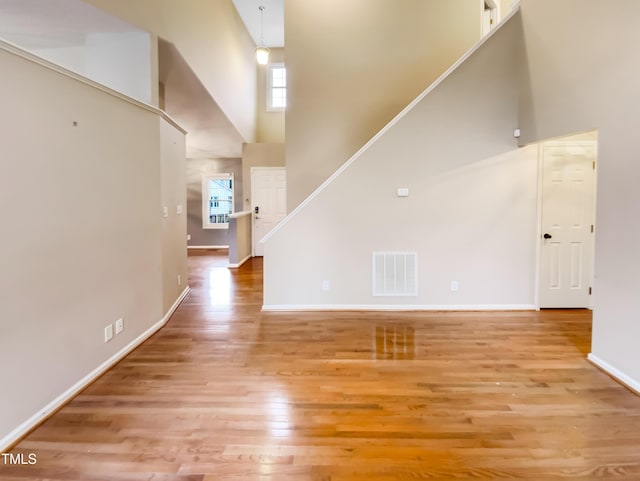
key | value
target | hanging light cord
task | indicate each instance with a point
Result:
(262, 52)
(261, 8)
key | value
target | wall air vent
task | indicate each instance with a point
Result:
(395, 274)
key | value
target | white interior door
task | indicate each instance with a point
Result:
(268, 201)
(568, 212)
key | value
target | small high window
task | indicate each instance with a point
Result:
(276, 87)
(217, 200)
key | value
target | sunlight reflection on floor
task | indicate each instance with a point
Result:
(219, 287)
(279, 422)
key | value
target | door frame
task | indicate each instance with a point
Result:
(538, 272)
(494, 7)
(251, 205)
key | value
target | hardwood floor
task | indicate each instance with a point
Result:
(227, 393)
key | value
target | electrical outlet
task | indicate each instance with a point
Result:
(179, 279)
(119, 326)
(178, 209)
(165, 211)
(325, 285)
(188, 237)
(108, 333)
(454, 286)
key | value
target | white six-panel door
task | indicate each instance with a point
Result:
(568, 205)
(269, 196)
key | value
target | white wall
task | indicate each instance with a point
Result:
(470, 216)
(121, 61)
(583, 75)
(87, 41)
(71, 58)
(83, 232)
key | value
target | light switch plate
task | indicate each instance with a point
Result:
(403, 192)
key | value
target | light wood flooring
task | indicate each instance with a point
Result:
(225, 392)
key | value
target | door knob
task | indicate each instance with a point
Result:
(547, 236)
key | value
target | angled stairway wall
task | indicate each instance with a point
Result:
(353, 66)
(470, 215)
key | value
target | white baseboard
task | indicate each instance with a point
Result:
(399, 307)
(31, 423)
(615, 373)
(235, 266)
(207, 247)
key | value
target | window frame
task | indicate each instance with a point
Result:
(271, 67)
(206, 199)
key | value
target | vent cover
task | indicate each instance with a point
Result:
(395, 274)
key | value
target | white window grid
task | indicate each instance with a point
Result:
(277, 87)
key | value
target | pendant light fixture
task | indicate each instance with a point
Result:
(262, 52)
